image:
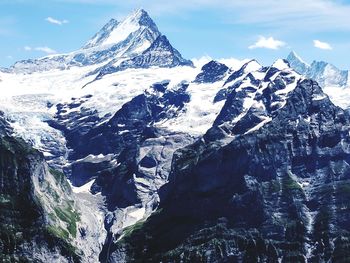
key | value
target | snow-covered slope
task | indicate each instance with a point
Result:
(160, 54)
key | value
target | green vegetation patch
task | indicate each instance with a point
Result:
(288, 183)
(274, 186)
(130, 229)
(69, 216)
(61, 179)
(58, 232)
(344, 188)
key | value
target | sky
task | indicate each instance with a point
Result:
(262, 29)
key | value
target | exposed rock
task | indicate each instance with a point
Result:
(212, 72)
(276, 188)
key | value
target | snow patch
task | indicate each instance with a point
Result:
(84, 188)
(280, 64)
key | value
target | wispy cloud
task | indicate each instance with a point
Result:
(267, 42)
(322, 45)
(9, 57)
(44, 49)
(56, 21)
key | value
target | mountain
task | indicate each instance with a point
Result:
(276, 193)
(113, 140)
(326, 74)
(114, 43)
(158, 159)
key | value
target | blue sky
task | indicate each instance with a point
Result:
(261, 29)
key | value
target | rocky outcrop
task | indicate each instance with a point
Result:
(212, 72)
(278, 193)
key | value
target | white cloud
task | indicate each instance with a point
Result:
(56, 21)
(9, 57)
(199, 62)
(46, 50)
(269, 43)
(322, 45)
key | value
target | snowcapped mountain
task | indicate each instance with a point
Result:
(171, 161)
(138, 25)
(114, 43)
(326, 74)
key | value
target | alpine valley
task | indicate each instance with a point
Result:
(124, 151)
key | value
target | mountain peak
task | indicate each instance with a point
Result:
(297, 63)
(115, 32)
(138, 14)
(293, 56)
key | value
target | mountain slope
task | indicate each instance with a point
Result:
(274, 194)
(26, 232)
(159, 54)
(41, 218)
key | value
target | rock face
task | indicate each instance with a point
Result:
(27, 231)
(254, 98)
(212, 72)
(40, 218)
(278, 193)
(160, 53)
